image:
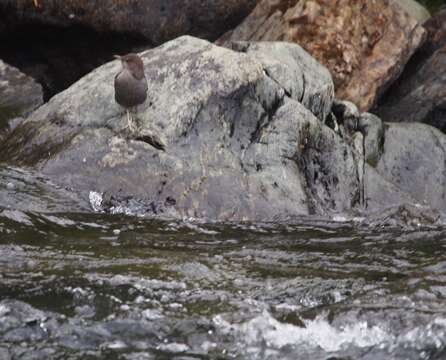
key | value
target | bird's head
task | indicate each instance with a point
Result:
(133, 63)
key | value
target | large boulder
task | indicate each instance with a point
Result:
(436, 32)
(309, 82)
(414, 159)
(420, 93)
(155, 20)
(415, 9)
(365, 44)
(19, 94)
(221, 135)
(224, 134)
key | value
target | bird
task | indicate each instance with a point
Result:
(130, 84)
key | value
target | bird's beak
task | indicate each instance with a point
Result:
(117, 57)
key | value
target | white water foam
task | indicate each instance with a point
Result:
(95, 201)
(318, 332)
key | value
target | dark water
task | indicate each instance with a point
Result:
(75, 285)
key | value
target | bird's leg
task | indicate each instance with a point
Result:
(130, 121)
(135, 120)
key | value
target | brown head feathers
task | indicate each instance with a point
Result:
(134, 63)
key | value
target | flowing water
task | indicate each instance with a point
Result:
(79, 285)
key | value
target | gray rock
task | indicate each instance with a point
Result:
(347, 113)
(406, 215)
(415, 9)
(19, 94)
(279, 62)
(419, 95)
(369, 125)
(328, 165)
(237, 147)
(17, 317)
(358, 146)
(414, 160)
(224, 135)
(298, 73)
(372, 128)
(381, 194)
(4, 354)
(365, 135)
(332, 122)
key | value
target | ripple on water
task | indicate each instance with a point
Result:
(118, 287)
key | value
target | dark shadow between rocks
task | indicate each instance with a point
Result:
(57, 57)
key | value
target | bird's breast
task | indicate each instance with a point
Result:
(129, 91)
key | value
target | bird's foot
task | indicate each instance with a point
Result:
(132, 125)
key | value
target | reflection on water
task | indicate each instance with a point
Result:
(89, 286)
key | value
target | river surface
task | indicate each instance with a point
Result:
(84, 285)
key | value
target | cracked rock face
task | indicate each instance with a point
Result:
(239, 139)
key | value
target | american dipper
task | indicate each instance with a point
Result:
(130, 84)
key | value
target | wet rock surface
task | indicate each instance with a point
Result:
(364, 44)
(27, 190)
(19, 94)
(420, 94)
(405, 216)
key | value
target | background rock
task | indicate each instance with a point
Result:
(436, 32)
(415, 9)
(365, 44)
(155, 20)
(420, 93)
(347, 114)
(19, 94)
(380, 193)
(414, 159)
(57, 43)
